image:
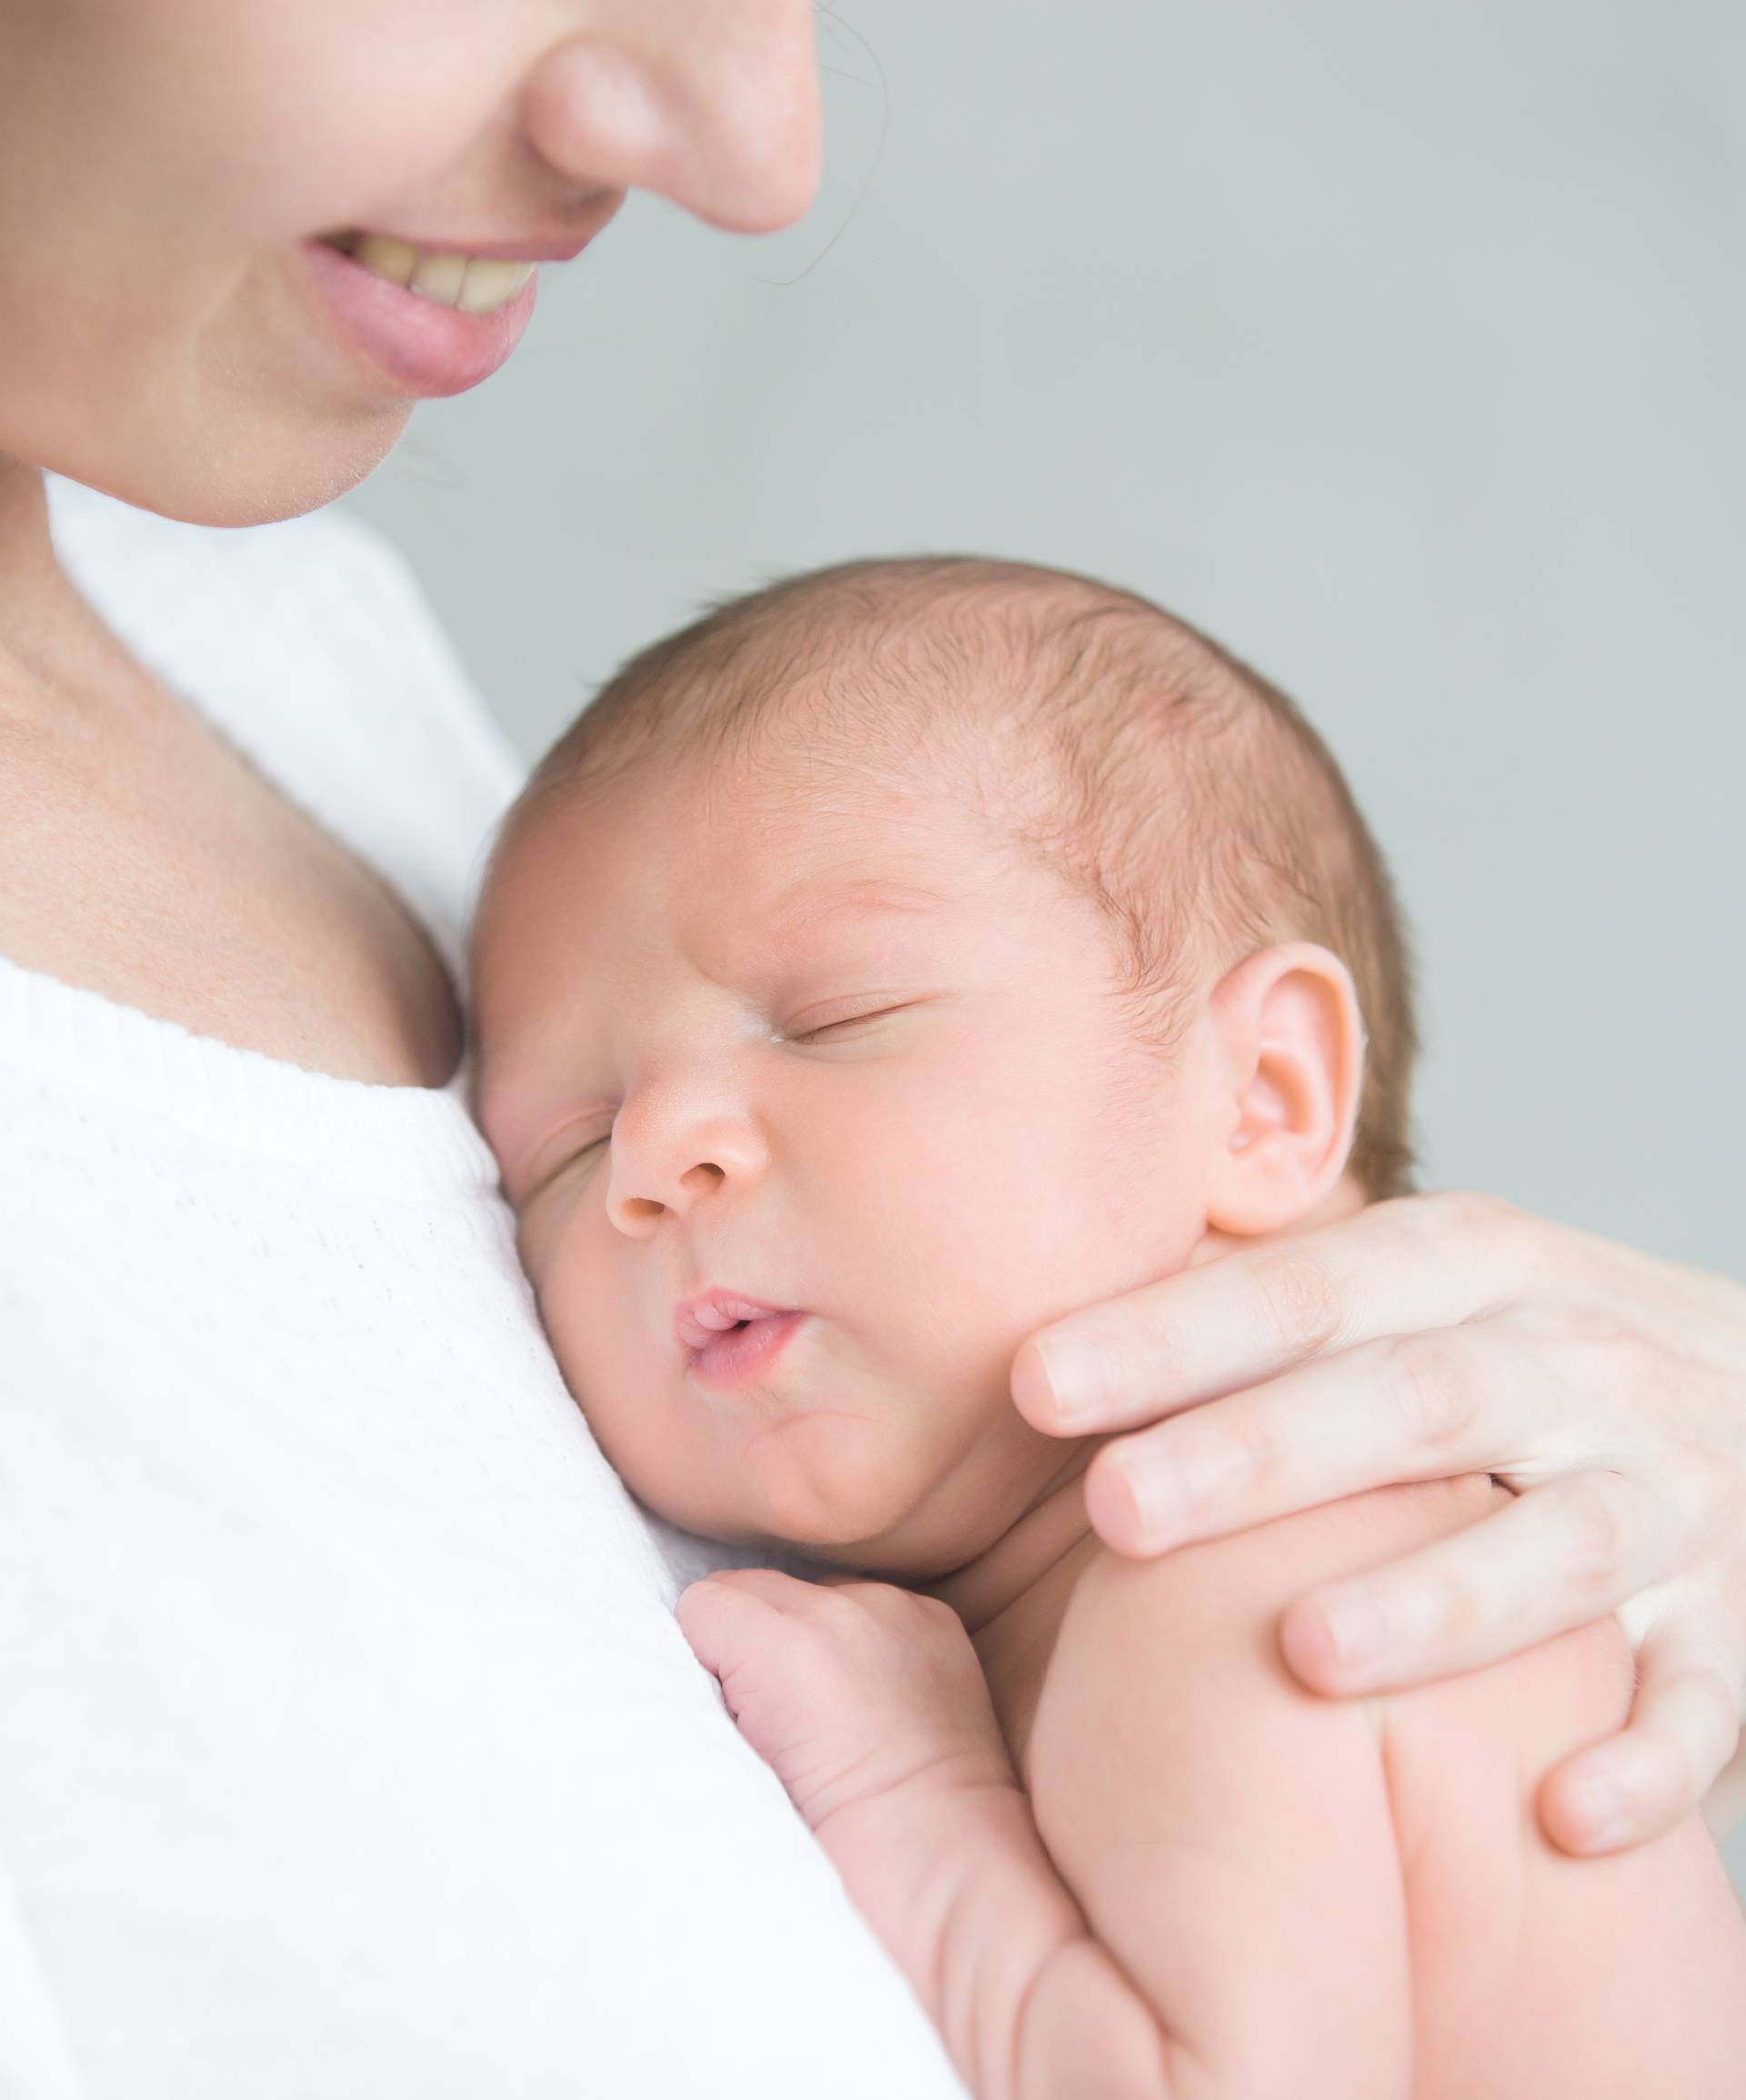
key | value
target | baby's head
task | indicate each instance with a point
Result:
(916, 951)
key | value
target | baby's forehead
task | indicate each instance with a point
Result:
(722, 776)
(674, 893)
(813, 845)
(811, 778)
(686, 914)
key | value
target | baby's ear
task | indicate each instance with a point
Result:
(1290, 1045)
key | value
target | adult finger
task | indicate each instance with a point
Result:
(1724, 1805)
(1412, 1407)
(1685, 1727)
(1558, 1556)
(1417, 1262)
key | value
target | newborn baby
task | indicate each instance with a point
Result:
(886, 965)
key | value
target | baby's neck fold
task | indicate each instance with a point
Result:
(1054, 1529)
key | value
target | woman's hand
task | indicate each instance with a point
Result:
(1431, 1336)
(848, 1690)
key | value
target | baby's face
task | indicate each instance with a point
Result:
(832, 1050)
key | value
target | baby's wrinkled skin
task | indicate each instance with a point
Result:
(816, 1033)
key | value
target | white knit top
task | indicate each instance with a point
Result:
(347, 1746)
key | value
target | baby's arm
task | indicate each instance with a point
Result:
(1227, 1835)
(1233, 1925)
(1357, 1899)
(1222, 1886)
(870, 1703)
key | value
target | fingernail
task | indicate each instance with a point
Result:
(1079, 1375)
(1160, 1492)
(1357, 1632)
(1602, 1810)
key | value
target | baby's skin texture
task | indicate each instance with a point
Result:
(798, 1027)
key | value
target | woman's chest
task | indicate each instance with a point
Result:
(142, 857)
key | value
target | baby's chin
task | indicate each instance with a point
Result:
(833, 1488)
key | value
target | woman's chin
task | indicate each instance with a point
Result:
(292, 481)
(285, 466)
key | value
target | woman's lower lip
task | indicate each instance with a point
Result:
(423, 349)
(740, 1354)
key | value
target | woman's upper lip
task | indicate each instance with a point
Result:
(560, 245)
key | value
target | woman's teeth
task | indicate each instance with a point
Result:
(476, 284)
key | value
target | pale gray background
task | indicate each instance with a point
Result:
(1403, 348)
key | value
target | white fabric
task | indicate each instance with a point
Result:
(347, 1746)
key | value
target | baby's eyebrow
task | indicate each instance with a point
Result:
(809, 902)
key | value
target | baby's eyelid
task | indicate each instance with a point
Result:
(565, 1147)
(842, 1020)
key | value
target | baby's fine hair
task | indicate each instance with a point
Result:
(1159, 775)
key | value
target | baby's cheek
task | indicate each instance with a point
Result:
(584, 1305)
(666, 1448)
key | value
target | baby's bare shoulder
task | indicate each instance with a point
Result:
(1226, 1830)
(1201, 1623)
(1219, 1582)
(1169, 1714)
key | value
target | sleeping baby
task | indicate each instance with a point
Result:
(893, 962)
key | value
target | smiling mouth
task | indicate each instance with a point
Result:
(471, 283)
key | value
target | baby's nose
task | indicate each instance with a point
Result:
(632, 1212)
(661, 1168)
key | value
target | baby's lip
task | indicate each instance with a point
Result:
(697, 1320)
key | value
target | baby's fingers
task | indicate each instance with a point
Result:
(727, 1618)
(1683, 1728)
(1558, 1556)
(769, 1586)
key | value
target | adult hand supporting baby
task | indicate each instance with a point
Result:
(1425, 1337)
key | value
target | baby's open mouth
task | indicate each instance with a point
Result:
(729, 1339)
(698, 1321)
(738, 1354)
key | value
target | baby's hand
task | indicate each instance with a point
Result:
(848, 1690)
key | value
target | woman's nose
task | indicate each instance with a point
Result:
(664, 1165)
(712, 103)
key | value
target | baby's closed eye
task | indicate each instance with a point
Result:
(836, 1029)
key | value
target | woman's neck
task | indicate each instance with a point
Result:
(44, 625)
